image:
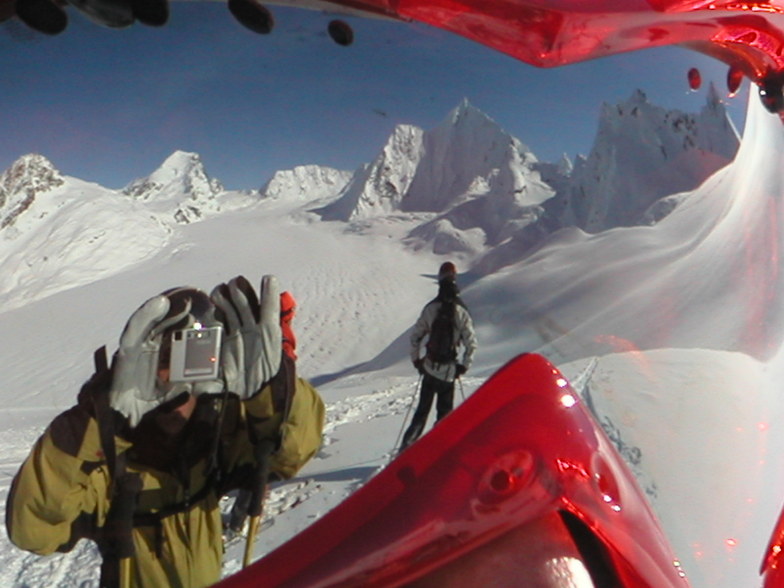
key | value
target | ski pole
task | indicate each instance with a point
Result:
(263, 453)
(460, 382)
(125, 572)
(408, 410)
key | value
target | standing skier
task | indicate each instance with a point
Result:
(141, 461)
(447, 324)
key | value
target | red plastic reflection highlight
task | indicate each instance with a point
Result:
(747, 35)
(509, 472)
(772, 567)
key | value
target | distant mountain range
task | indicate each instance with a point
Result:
(471, 189)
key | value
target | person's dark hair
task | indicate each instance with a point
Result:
(448, 290)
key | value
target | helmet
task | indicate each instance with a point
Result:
(447, 271)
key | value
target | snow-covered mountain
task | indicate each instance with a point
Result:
(29, 176)
(468, 155)
(485, 188)
(306, 183)
(642, 153)
(465, 188)
(642, 162)
(498, 194)
(478, 182)
(179, 187)
(52, 224)
(56, 229)
(378, 188)
(472, 184)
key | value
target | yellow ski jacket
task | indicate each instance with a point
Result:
(61, 494)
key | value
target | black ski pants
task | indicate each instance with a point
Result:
(432, 387)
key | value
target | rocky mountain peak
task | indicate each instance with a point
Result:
(181, 184)
(32, 171)
(380, 187)
(429, 171)
(463, 113)
(642, 153)
(306, 182)
(466, 148)
(181, 173)
(29, 176)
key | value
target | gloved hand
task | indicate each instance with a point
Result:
(460, 369)
(419, 365)
(135, 365)
(251, 351)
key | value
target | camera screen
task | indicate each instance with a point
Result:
(199, 353)
(195, 354)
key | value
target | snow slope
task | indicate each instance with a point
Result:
(671, 332)
(685, 318)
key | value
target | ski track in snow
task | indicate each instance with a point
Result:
(388, 402)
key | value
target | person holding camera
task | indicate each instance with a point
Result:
(191, 408)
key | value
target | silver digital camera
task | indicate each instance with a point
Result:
(195, 354)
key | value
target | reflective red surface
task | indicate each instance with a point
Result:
(518, 478)
(748, 35)
(773, 564)
(549, 33)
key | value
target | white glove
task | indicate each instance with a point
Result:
(135, 367)
(251, 351)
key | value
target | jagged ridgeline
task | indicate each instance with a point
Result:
(467, 186)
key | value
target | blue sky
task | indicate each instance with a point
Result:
(110, 105)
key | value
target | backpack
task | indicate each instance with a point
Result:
(293, 415)
(440, 347)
